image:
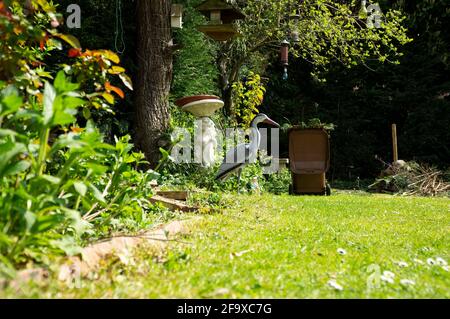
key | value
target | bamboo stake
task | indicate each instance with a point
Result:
(395, 143)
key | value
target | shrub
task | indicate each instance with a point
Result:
(60, 183)
(53, 192)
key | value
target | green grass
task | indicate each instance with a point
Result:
(292, 248)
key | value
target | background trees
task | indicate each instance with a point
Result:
(362, 102)
(328, 31)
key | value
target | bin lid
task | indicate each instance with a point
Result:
(309, 151)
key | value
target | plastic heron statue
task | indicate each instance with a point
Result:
(246, 153)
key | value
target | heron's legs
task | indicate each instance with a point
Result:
(239, 180)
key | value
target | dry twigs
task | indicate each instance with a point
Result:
(412, 179)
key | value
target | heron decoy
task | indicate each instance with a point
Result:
(246, 153)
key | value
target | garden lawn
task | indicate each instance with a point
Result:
(291, 247)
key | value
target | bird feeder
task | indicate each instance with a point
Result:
(284, 56)
(177, 16)
(221, 17)
(295, 34)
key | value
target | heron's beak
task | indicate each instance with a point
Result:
(270, 122)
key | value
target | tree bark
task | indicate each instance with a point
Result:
(154, 76)
(227, 98)
(229, 74)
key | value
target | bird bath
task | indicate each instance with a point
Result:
(203, 107)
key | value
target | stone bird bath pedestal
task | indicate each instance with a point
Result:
(203, 107)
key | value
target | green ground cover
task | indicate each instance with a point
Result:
(344, 246)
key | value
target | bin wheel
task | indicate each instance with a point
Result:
(328, 190)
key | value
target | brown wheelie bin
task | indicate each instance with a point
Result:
(309, 156)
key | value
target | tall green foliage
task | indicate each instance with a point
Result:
(248, 95)
(58, 179)
(194, 67)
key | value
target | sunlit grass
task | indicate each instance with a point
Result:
(293, 247)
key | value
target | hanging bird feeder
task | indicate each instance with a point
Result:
(284, 56)
(176, 18)
(295, 34)
(221, 17)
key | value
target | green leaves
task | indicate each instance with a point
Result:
(51, 179)
(60, 102)
(10, 101)
(17, 168)
(55, 173)
(78, 225)
(248, 96)
(46, 222)
(329, 31)
(63, 85)
(81, 188)
(68, 245)
(64, 111)
(96, 193)
(9, 165)
(48, 105)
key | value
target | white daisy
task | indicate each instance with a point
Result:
(445, 268)
(389, 274)
(407, 282)
(402, 264)
(441, 261)
(387, 279)
(342, 251)
(333, 284)
(431, 262)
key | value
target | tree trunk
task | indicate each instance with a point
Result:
(227, 98)
(229, 74)
(154, 76)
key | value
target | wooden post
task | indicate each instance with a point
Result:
(395, 142)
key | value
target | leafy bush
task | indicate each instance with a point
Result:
(194, 64)
(278, 183)
(248, 96)
(52, 191)
(194, 177)
(314, 123)
(60, 183)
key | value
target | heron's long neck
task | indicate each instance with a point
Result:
(255, 137)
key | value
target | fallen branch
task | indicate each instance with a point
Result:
(411, 179)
